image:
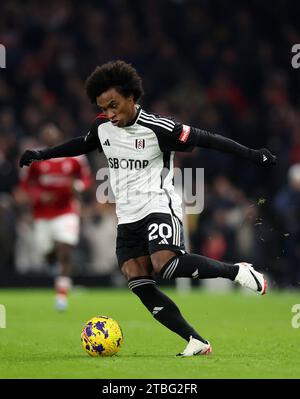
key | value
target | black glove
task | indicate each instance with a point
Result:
(263, 157)
(29, 156)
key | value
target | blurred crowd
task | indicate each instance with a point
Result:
(211, 64)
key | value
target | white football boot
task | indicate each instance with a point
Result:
(196, 347)
(250, 278)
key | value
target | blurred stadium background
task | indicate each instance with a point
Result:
(211, 64)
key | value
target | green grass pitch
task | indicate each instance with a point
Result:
(252, 336)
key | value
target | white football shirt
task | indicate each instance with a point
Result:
(140, 158)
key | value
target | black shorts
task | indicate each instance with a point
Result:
(155, 232)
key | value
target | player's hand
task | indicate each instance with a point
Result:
(29, 156)
(264, 157)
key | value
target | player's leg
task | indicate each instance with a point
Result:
(181, 264)
(65, 231)
(134, 260)
(51, 257)
(64, 257)
(201, 267)
(171, 265)
(63, 280)
(139, 274)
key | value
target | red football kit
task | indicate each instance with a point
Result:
(51, 183)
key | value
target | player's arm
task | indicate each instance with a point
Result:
(185, 138)
(74, 147)
(203, 138)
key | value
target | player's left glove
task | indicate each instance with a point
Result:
(263, 157)
(29, 156)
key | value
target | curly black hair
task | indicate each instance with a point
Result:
(115, 74)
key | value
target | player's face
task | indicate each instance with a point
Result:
(119, 109)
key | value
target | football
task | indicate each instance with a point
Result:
(101, 336)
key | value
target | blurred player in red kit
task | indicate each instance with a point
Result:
(51, 186)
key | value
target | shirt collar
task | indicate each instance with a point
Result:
(138, 109)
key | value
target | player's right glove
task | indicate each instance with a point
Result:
(29, 156)
(263, 157)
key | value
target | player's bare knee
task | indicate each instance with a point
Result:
(160, 258)
(157, 265)
(64, 252)
(132, 269)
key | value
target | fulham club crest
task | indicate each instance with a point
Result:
(139, 144)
